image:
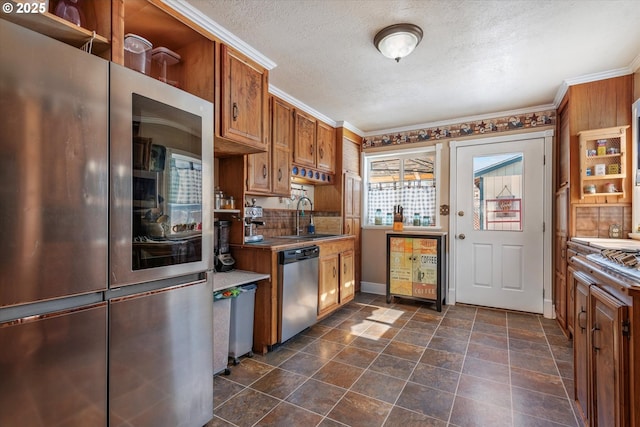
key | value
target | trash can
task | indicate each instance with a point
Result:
(221, 321)
(241, 328)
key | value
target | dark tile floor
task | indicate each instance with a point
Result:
(404, 364)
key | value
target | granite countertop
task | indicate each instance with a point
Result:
(280, 243)
(601, 243)
(230, 279)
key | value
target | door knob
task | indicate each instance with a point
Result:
(461, 236)
(460, 213)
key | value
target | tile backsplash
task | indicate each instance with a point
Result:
(594, 221)
(282, 222)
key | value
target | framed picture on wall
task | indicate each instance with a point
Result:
(156, 161)
(141, 153)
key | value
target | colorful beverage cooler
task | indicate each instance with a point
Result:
(416, 267)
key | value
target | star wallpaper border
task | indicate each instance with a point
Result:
(473, 128)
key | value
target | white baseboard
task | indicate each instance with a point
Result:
(549, 309)
(373, 288)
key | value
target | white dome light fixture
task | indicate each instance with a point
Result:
(398, 41)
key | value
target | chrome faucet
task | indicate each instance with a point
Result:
(298, 212)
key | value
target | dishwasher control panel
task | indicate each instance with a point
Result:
(295, 255)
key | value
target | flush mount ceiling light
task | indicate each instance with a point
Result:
(398, 41)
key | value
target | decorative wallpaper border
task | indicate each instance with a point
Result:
(480, 127)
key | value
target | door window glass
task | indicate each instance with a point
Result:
(498, 192)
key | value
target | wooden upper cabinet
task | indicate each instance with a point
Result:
(352, 184)
(258, 168)
(355, 195)
(304, 139)
(326, 147)
(281, 176)
(314, 144)
(244, 100)
(350, 154)
(563, 149)
(281, 123)
(282, 136)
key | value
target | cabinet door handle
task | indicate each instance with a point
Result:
(235, 111)
(593, 338)
(321, 152)
(311, 149)
(279, 174)
(264, 171)
(582, 311)
(334, 271)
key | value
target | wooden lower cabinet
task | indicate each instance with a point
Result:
(347, 276)
(605, 361)
(581, 340)
(609, 352)
(337, 276)
(560, 299)
(570, 299)
(351, 193)
(335, 279)
(328, 284)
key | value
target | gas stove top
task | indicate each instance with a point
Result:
(625, 263)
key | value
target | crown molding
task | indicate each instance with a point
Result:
(195, 15)
(562, 90)
(349, 126)
(273, 90)
(462, 120)
(300, 105)
(635, 64)
(588, 78)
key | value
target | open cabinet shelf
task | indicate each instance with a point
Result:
(57, 28)
(603, 162)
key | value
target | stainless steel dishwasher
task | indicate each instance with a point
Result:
(298, 290)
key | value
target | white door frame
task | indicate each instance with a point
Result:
(548, 311)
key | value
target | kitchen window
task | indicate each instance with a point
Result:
(409, 178)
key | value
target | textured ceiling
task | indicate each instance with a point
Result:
(476, 57)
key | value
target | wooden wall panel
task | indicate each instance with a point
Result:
(197, 68)
(595, 105)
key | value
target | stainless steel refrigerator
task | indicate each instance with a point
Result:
(53, 228)
(84, 342)
(161, 247)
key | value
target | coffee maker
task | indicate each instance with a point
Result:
(251, 222)
(223, 259)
